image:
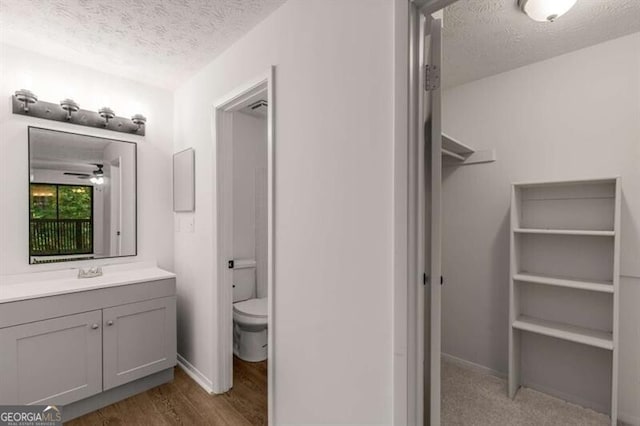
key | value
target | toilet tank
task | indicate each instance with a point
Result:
(244, 281)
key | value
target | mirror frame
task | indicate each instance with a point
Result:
(135, 208)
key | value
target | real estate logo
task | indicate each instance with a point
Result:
(30, 415)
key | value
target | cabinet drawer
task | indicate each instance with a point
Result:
(55, 361)
(138, 339)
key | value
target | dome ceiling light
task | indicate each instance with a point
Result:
(545, 10)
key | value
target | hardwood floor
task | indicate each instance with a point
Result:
(183, 402)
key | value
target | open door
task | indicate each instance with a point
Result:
(425, 200)
(433, 216)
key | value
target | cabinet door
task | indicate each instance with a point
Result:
(55, 361)
(138, 339)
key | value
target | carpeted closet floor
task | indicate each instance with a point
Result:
(473, 398)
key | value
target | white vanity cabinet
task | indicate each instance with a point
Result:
(138, 340)
(55, 361)
(90, 347)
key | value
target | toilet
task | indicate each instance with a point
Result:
(249, 319)
(250, 329)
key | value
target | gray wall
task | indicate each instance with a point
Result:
(573, 116)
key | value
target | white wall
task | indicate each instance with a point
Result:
(576, 115)
(249, 158)
(53, 80)
(334, 205)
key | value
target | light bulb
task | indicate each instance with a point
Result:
(546, 10)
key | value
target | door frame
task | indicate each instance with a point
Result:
(409, 306)
(223, 226)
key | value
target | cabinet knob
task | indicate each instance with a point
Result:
(95, 326)
(109, 322)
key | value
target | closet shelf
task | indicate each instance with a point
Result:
(244, 263)
(452, 145)
(455, 153)
(586, 336)
(565, 232)
(600, 286)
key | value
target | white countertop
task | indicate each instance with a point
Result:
(43, 284)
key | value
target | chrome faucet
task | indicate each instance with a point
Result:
(90, 272)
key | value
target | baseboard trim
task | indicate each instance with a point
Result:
(571, 399)
(627, 420)
(473, 366)
(195, 374)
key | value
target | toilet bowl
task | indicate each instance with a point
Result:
(250, 329)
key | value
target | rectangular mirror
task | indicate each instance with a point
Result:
(82, 197)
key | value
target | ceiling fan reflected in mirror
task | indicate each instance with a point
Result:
(96, 177)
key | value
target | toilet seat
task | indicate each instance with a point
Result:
(253, 308)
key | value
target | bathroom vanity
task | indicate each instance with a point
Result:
(86, 343)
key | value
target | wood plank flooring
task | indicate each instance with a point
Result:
(184, 402)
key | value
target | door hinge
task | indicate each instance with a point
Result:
(425, 279)
(441, 280)
(431, 77)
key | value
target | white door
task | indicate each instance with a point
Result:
(433, 148)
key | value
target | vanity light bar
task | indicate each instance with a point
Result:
(26, 102)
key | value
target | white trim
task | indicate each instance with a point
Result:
(416, 229)
(473, 366)
(567, 397)
(400, 355)
(195, 374)
(222, 358)
(271, 243)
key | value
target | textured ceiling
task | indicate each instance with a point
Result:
(486, 37)
(156, 41)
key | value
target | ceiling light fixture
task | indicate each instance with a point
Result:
(545, 10)
(26, 97)
(98, 176)
(70, 106)
(139, 120)
(107, 114)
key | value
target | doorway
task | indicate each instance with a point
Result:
(486, 278)
(244, 150)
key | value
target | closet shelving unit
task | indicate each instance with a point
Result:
(565, 237)
(456, 153)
